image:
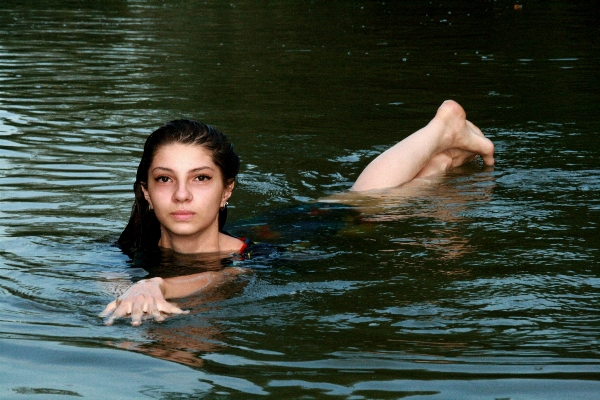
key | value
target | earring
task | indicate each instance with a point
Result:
(224, 206)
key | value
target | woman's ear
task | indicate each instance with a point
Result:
(227, 191)
(144, 186)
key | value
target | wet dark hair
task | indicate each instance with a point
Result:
(143, 229)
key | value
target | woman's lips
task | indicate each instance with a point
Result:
(182, 215)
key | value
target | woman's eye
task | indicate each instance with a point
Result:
(163, 179)
(203, 178)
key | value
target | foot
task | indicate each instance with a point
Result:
(462, 140)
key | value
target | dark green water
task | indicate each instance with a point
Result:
(483, 284)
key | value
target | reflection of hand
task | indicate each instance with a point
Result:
(143, 300)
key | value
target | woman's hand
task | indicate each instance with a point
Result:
(147, 298)
(143, 300)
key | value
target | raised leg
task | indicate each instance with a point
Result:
(448, 141)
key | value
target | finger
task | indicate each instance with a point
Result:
(121, 311)
(157, 316)
(152, 312)
(169, 308)
(136, 314)
(112, 306)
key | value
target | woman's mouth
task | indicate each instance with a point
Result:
(182, 215)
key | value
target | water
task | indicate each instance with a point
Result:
(480, 284)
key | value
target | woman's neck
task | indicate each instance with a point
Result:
(208, 242)
(202, 242)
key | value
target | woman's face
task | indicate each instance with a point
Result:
(186, 190)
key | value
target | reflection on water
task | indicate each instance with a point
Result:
(482, 282)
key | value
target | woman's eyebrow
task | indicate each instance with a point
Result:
(201, 169)
(194, 170)
(162, 169)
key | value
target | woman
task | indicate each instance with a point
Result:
(187, 174)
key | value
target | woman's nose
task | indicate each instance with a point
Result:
(182, 193)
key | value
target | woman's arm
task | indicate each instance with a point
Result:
(448, 141)
(147, 298)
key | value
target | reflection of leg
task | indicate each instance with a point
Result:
(449, 140)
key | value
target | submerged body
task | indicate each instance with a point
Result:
(184, 182)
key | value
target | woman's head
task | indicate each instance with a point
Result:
(143, 229)
(185, 131)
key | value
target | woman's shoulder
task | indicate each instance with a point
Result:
(250, 249)
(231, 244)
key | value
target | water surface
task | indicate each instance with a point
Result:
(482, 283)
